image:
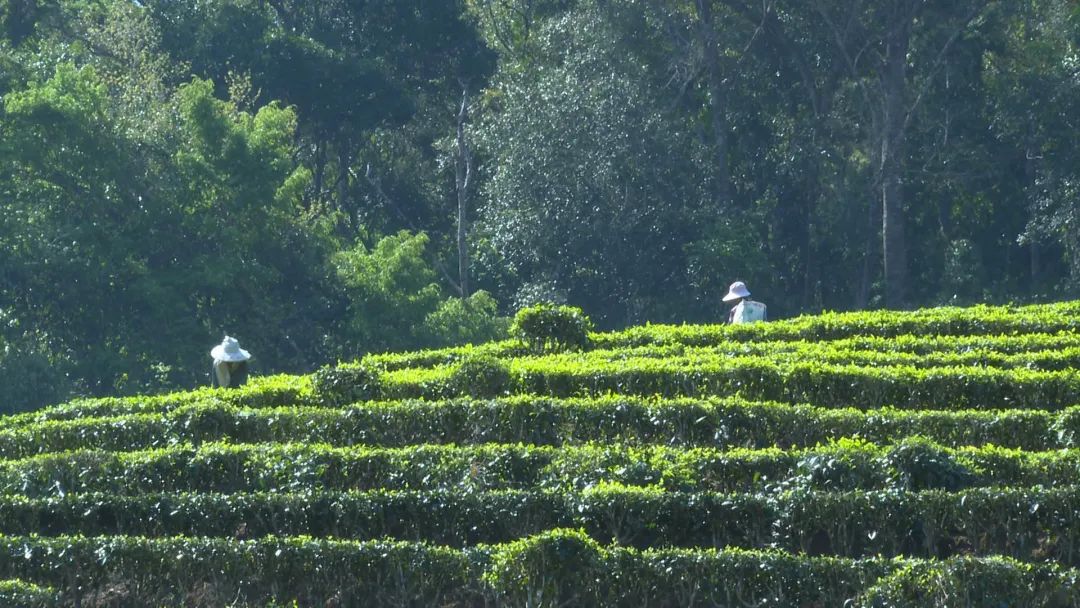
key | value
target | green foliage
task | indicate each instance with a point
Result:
(989, 583)
(20, 594)
(546, 328)
(921, 465)
(273, 493)
(553, 568)
(344, 384)
(533, 420)
(168, 571)
(481, 375)
(844, 466)
(465, 321)
(391, 290)
(125, 258)
(573, 200)
(791, 380)
(31, 375)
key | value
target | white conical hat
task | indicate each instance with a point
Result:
(737, 290)
(229, 350)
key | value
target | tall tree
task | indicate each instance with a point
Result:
(893, 51)
(589, 187)
(1033, 98)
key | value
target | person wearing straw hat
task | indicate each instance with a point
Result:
(230, 364)
(745, 309)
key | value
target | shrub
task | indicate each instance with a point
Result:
(964, 581)
(458, 321)
(31, 374)
(16, 593)
(921, 465)
(555, 568)
(480, 375)
(546, 327)
(342, 384)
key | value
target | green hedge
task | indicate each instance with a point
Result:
(1056, 353)
(564, 567)
(20, 594)
(345, 383)
(226, 468)
(140, 572)
(974, 583)
(820, 384)
(481, 376)
(723, 423)
(259, 392)
(945, 321)
(1042, 360)
(753, 378)
(1030, 524)
(555, 568)
(1000, 329)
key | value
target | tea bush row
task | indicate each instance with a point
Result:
(714, 422)
(21, 594)
(565, 567)
(754, 378)
(1033, 524)
(261, 391)
(1052, 351)
(559, 567)
(132, 572)
(1004, 329)
(944, 321)
(786, 353)
(912, 463)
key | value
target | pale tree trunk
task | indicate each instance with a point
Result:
(894, 88)
(1031, 157)
(463, 169)
(872, 257)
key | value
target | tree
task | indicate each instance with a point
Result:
(589, 187)
(1032, 98)
(893, 52)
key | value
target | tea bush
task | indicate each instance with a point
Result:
(481, 375)
(342, 384)
(546, 327)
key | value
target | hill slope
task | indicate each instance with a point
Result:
(881, 459)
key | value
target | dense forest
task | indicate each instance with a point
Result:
(326, 179)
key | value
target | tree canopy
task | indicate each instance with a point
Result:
(294, 173)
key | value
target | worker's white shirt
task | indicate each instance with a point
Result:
(748, 311)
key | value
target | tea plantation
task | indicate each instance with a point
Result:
(858, 459)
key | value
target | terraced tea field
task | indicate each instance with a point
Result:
(862, 459)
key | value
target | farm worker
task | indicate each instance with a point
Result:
(230, 364)
(745, 310)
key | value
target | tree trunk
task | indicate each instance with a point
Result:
(463, 175)
(718, 109)
(342, 185)
(894, 241)
(870, 259)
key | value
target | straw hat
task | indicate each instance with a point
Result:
(737, 290)
(229, 350)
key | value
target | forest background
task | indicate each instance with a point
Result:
(324, 179)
